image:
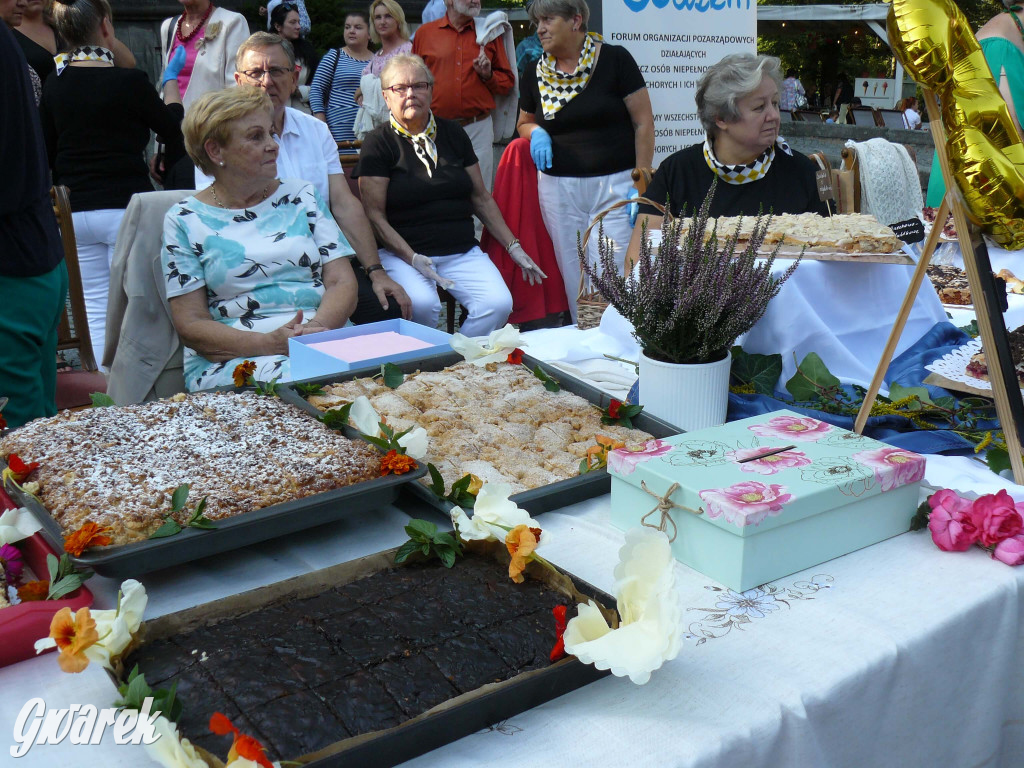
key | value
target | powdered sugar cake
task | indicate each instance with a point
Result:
(118, 466)
(496, 422)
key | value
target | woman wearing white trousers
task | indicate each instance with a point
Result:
(584, 107)
(420, 183)
(97, 120)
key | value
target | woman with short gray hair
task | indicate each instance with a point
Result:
(738, 105)
(585, 109)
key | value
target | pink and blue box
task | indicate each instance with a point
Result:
(744, 513)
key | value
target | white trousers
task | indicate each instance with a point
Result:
(568, 204)
(478, 287)
(481, 133)
(95, 235)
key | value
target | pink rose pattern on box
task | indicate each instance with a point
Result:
(792, 428)
(893, 467)
(769, 465)
(623, 461)
(746, 503)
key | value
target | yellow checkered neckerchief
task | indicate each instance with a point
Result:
(748, 172)
(423, 143)
(559, 88)
(84, 53)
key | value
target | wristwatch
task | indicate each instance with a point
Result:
(373, 268)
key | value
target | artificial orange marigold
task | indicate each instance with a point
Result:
(521, 542)
(73, 636)
(242, 372)
(597, 455)
(89, 535)
(395, 463)
(33, 591)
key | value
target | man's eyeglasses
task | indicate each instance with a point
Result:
(402, 90)
(257, 75)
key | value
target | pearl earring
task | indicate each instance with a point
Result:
(221, 163)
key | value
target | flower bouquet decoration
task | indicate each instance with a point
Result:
(994, 522)
(688, 302)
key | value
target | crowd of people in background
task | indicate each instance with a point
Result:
(279, 240)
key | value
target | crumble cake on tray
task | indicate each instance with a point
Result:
(118, 466)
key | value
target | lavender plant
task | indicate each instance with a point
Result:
(690, 302)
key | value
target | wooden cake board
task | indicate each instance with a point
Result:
(1005, 390)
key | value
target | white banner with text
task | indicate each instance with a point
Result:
(674, 42)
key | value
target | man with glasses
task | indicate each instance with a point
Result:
(307, 151)
(467, 76)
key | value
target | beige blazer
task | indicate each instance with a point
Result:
(142, 350)
(215, 63)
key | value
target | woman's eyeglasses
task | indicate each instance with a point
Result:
(403, 90)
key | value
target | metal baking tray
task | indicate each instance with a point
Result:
(131, 560)
(536, 500)
(445, 723)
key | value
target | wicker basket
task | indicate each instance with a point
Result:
(590, 303)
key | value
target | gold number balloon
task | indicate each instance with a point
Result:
(986, 157)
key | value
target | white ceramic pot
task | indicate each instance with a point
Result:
(687, 396)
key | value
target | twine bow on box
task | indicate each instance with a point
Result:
(665, 505)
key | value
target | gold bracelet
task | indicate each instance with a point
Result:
(513, 244)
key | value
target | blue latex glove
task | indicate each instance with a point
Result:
(633, 207)
(540, 148)
(174, 65)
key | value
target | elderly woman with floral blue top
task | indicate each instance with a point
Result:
(250, 261)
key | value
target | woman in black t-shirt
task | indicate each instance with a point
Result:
(97, 120)
(738, 105)
(584, 107)
(420, 183)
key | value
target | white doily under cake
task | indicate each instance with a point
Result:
(953, 365)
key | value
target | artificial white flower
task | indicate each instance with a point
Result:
(415, 442)
(494, 515)
(492, 350)
(17, 524)
(364, 417)
(170, 750)
(650, 631)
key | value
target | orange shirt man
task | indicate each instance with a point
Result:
(467, 76)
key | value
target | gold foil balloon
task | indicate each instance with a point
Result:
(935, 44)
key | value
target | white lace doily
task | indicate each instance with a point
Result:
(953, 365)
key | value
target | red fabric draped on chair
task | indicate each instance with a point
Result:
(515, 192)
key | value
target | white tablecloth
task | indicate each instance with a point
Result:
(896, 655)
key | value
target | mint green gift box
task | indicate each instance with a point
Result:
(764, 516)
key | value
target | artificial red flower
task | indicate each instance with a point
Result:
(33, 591)
(516, 356)
(19, 470)
(89, 535)
(558, 651)
(613, 408)
(396, 463)
(243, 371)
(243, 746)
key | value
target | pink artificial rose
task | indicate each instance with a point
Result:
(950, 522)
(792, 428)
(893, 467)
(769, 465)
(623, 461)
(1010, 551)
(746, 503)
(996, 517)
